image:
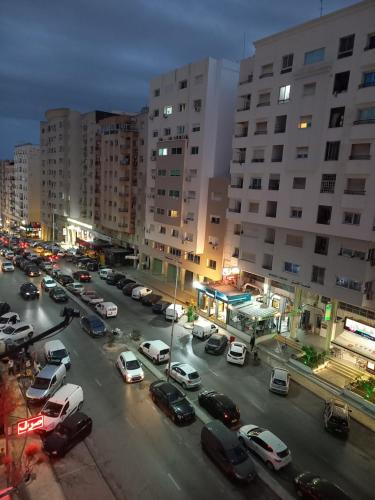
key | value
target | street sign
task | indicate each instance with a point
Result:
(29, 425)
(328, 312)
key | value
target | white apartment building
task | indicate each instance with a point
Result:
(302, 174)
(189, 142)
(27, 186)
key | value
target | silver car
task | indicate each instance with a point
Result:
(184, 374)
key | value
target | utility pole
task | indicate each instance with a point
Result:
(53, 225)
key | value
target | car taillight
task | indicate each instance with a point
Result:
(226, 415)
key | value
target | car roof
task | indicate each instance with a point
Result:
(222, 398)
(157, 343)
(166, 387)
(54, 344)
(28, 285)
(49, 370)
(339, 409)
(280, 373)
(108, 304)
(237, 346)
(272, 440)
(185, 366)
(128, 355)
(73, 420)
(64, 392)
(227, 437)
(94, 318)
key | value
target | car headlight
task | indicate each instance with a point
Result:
(128, 378)
(54, 452)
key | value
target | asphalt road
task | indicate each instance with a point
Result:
(139, 452)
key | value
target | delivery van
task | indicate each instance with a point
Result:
(175, 311)
(204, 329)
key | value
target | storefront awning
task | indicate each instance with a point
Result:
(255, 310)
(225, 293)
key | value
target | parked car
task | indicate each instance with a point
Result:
(46, 383)
(32, 271)
(310, 485)
(227, 452)
(4, 308)
(9, 254)
(65, 401)
(216, 344)
(220, 406)
(58, 294)
(174, 312)
(336, 417)
(127, 290)
(125, 281)
(237, 353)
(266, 445)
(55, 273)
(93, 325)
(184, 374)
(64, 279)
(82, 261)
(106, 309)
(75, 287)
(103, 273)
(56, 353)
(150, 299)
(156, 350)
(7, 267)
(172, 401)
(114, 278)
(129, 367)
(140, 291)
(17, 333)
(9, 318)
(91, 297)
(92, 265)
(279, 382)
(45, 266)
(160, 306)
(203, 329)
(82, 276)
(29, 291)
(47, 283)
(74, 429)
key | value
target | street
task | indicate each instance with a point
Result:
(142, 454)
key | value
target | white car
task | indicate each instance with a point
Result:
(130, 368)
(76, 287)
(9, 319)
(237, 353)
(9, 254)
(17, 333)
(140, 291)
(7, 267)
(279, 382)
(47, 283)
(106, 309)
(103, 273)
(266, 445)
(184, 374)
(91, 297)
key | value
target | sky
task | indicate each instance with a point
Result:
(101, 54)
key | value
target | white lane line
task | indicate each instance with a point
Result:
(257, 406)
(214, 373)
(174, 481)
(75, 353)
(130, 422)
(98, 382)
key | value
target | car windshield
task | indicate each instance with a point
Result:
(214, 341)
(41, 383)
(60, 354)
(175, 396)
(3, 321)
(133, 364)
(8, 330)
(193, 375)
(96, 323)
(59, 291)
(236, 455)
(338, 420)
(235, 354)
(277, 381)
(61, 430)
(52, 409)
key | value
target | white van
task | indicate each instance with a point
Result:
(103, 273)
(174, 311)
(140, 291)
(55, 353)
(204, 329)
(130, 367)
(107, 309)
(66, 401)
(156, 350)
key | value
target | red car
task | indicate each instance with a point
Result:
(82, 276)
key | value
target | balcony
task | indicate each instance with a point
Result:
(266, 75)
(239, 159)
(261, 104)
(257, 160)
(245, 107)
(249, 79)
(242, 133)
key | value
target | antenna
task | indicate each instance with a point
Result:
(321, 8)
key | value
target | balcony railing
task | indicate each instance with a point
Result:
(243, 133)
(245, 107)
(360, 157)
(238, 185)
(260, 132)
(260, 104)
(266, 75)
(355, 191)
(257, 160)
(240, 159)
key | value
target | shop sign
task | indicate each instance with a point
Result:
(328, 312)
(29, 425)
(353, 326)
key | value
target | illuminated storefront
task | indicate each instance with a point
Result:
(77, 230)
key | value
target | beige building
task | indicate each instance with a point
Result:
(8, 186)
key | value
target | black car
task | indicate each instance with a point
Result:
(114, 278)
(64, 279)
(93, 325)
(92, 265)
(82, 276)
(67, 434)
(23, 263)
(58, 294)
(125, 281)
(160, 306)
(336, 417)
(16, 260)
(220, 406)
(150, 299)
(309, 485)
(127, 290)
(4, 308)
(32, 270)
(216, 344)
(29, 291)
(172, 401)
(55, 273)
(82, 261)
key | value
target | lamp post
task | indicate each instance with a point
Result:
(53, 225)
(173, 320)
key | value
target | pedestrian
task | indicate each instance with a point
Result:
(37, 367)
(10, 367)
(252, 342)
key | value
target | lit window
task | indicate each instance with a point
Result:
(173, 213)
(168, 110)
(284, 93)
(305, 121)
(163, 151)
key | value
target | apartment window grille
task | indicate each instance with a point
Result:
(368, 79)
(348, 283)
(366, 115)
(305, 122)
(341, 82)
(182, 84)
(284, 93)
(293, 240)
(253, 207)
(258, 156)
(296, 212)
(267, 261)
(332, 151)
(299, 182)
(286, 63)
(327, 184)
(266, 71)
(255, 183)
(324, 214)
(270, 235)
(321, 245)
(271, 209)
(260, 128)
(244, 102)
(280, 124)
(355, 186)
(291, 267)
(360, 151)
(277, 153)
(317, 275)
(346, 45)
(302, 152)
(308, 89)
(336, 117)
(211, 264)
(370, 41)
(264, 99)
(314, 56)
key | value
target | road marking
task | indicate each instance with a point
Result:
(214, 373)
(174, 481)
(75, 353)
(130, 422)
(98, 382)
(258, 407)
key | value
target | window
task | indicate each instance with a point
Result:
(290, 267)
(194, 150)
(197, 105)
(198, 79)
(353, 218)
(173, 213)
(160, 211)
(327, 184)
(156, 92)
(341, 82)
(286, 63)
(355, 186)
(182, 84)
(264, 99)
(277, 153)
(174, 193)
(180, 129)
(296, 212)
(266, 71)
(267, 261)
(174, 233)
(175, 172)
(162, 230)
(255, 183)
(167, 131)
(161, 192)
(174, 251)
(360, 152)
(193, 258)
(236, 252)
(248, 256)
(280, 124)
(368, 79)
(167, 110)
(348, 283)
(299, 182)
(294, 240)
(314, 56)
(324, 214)
(346, 46)
(258, 156)
(274, 182)
(163, 152)
(215, 219)
(176, 151)
(237, 229)
(317, 275)
(195, 127)
(253, 207)
(182, 107)
(155, 133)
(211, 264)
(162, 173)
(260, 128)
(284, 94)
(156, 113)
(271, 209)
(366, 115)
(302, 152)
(370, 41)
(305, 121)
(336, 117)
(270, 235)
(309, 89)
(321, 245)
(332, 151)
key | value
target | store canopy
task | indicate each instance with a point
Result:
(255, 309)
(224, 292)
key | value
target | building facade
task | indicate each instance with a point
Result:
(189, 143)
(8, 188)
(302, 178)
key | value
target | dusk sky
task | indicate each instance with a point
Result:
(90, 54)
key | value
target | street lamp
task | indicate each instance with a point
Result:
(53, 225)
(173, 319)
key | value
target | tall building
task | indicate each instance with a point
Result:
(27, 186)
(8, 187)
(301, 202)
(189, 143)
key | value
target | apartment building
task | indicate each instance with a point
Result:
(7, 190)
(302, 179)
(189, 143)
(27, 186)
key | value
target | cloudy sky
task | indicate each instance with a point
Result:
(95, 54)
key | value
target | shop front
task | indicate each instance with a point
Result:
(78, 231)
(254, 318)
